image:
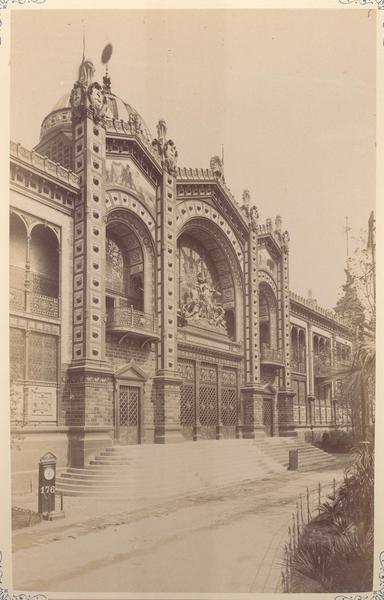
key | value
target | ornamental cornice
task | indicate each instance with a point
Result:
(269, 241)
(328, 323)
(44, 167)
(194, 181)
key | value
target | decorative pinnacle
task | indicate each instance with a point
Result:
(278, 223)
(161, 130)
(246, 197)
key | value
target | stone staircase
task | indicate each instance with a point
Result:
(155, 470)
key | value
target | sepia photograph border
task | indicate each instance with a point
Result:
(7, 589)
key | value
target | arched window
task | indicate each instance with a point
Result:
(268, 326)
(116, 276)
(44, 259)
(17, 258)
(124, 268)
(302, 346)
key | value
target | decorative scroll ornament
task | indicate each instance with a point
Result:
(165, 149)
(200, 304)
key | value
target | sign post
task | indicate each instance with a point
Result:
(47, 486)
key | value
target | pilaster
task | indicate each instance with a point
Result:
(167, 380)
(91, 406)
(251, 392)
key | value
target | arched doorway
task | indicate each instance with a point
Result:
(128, 405)
(210, 312)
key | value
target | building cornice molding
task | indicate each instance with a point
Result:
(315, 317)
(44, 167)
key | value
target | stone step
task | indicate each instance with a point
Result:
(170, 470)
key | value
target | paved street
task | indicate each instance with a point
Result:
(227, 540)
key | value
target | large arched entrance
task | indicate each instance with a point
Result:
(130, 319)
(210, 333)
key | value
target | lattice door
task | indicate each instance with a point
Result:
(129, 415)
(208, 409)
(229, 404)
(267, 415)
(187, 398)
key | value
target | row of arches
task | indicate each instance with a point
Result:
(34, 266)
(205, 259)
(210, 283)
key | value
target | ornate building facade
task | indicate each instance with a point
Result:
(147, 304)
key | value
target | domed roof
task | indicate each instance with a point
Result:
(116, 109)
(63, 102)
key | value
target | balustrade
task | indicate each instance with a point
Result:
(126, 318)
(272, 355)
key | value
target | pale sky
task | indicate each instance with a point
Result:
(289, 93)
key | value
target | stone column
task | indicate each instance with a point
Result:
(89, 378)
(310, 376)
(252, 397)
(167, 380)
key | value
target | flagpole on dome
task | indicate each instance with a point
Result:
(105, 58)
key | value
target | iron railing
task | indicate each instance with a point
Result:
(299, 366)
(271, 354)
(30, 297)
(128, 317)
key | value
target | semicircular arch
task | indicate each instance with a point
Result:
(117, 199)
(121, 224)
(265, 277)
(189, 210)
(213, 249)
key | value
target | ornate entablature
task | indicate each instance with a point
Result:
(118, 148)
(42, 177)
(327, 319)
